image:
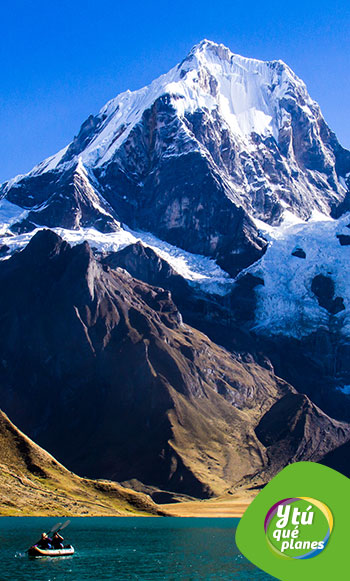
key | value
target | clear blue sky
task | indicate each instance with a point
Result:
(61, 61)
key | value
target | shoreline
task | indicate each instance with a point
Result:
(223, 507)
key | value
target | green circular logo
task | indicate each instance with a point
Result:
(298, 528)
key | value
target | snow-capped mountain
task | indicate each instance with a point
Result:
(218, 158)
(221, 183)
(193, 158)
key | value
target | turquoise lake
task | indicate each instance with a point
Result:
(127, 548)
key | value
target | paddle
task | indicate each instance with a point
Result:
(63, 526)
(54, 528)
(60, 545)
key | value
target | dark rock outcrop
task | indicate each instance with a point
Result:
(323, 287)
(344, 240)
(242, 298)
(4, 249)
(299, 253)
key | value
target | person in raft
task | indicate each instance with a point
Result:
(45, 542)
(57, 541)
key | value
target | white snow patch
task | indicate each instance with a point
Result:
(199, 270)
(49, 163)
(90, 192)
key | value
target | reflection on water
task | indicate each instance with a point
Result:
(152, 549)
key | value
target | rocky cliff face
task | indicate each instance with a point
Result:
(67, 199)
(145, 264)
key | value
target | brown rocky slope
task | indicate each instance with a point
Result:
(99, 369)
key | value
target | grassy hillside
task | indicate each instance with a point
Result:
(33, 483)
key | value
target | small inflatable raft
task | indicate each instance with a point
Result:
(35, 551)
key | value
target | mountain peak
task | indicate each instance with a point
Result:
(206, 46)
(248, 124)
(245, 91)
(208, 50)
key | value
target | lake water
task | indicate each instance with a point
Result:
(149, 549)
